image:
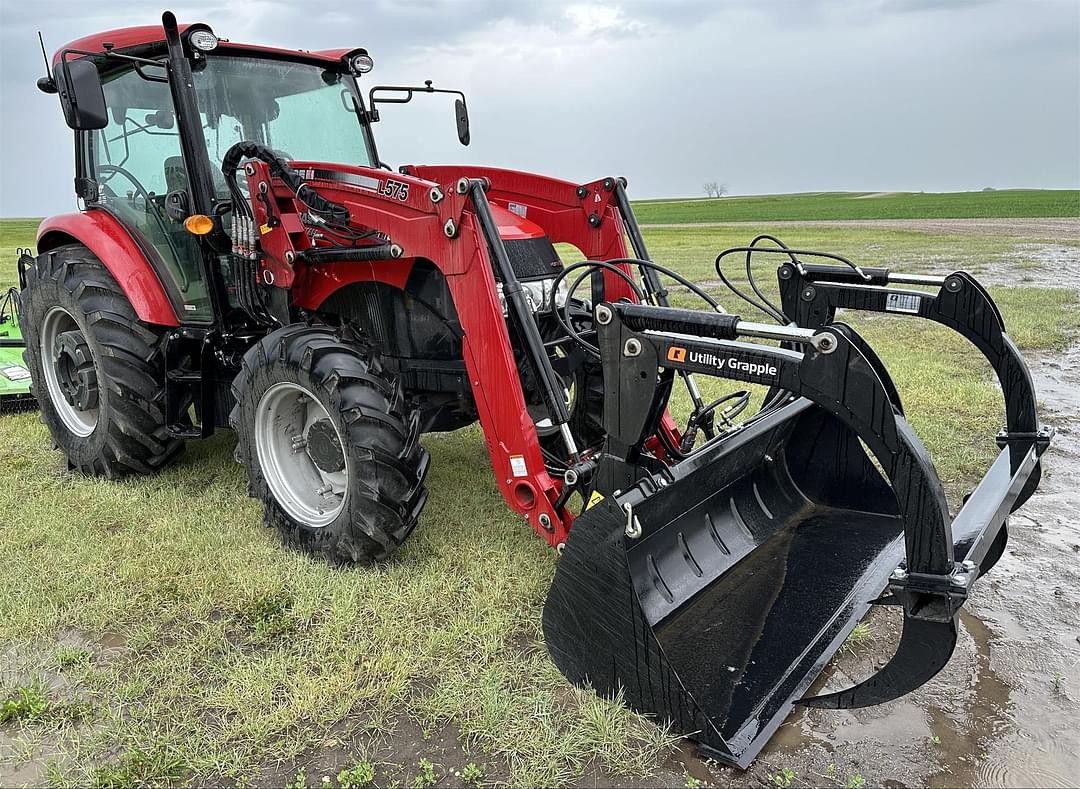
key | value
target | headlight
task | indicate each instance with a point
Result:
(361, 64)
(538, 294)
(203, 40)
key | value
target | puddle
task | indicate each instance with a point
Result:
(1034, 265)
(28, 746)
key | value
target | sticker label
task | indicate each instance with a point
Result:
(594, 499)
(517, 466)
(518, 208)
(903, 302)
(761, 367)
(15, 373)
(264, 229)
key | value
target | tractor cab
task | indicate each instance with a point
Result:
(159, 123)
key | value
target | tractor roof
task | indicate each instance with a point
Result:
(146, 35)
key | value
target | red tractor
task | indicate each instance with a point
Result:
(244, 259)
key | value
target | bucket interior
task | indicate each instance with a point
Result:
(753, 566)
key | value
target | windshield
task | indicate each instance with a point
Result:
(303, 112)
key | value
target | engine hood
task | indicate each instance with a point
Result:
(513, 227)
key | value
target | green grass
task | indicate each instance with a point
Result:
(239, 655)
(1004, 203)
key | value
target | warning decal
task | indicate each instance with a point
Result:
(517, 466)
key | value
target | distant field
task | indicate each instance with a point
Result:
(1005, 204)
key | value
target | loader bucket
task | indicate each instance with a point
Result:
(758, 560)
(711, 592)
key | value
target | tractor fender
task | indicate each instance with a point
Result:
(103, 235)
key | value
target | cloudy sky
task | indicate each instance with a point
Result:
(762, 95)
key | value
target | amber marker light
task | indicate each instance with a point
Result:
(199, 224)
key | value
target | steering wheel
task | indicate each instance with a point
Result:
(115, 169)
(151, 208)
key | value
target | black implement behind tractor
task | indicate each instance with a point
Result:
(245, 260)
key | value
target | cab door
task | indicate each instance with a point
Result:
(137, 161)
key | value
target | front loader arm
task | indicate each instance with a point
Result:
(452, 225)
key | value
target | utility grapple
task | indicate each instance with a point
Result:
(245, 259)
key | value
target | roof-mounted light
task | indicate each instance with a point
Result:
(203, 40)
(361, 63)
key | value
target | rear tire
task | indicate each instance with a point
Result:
(98, 372)
(331, 448)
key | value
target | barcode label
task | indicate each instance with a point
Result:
(903, 302)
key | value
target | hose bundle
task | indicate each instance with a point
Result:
(328, 210)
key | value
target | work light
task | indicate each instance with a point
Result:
(362, 63)
(203, 40)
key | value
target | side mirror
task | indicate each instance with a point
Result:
(461, 115)
(81, 96)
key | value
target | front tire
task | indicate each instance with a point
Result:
(331, 448)
(98, 372)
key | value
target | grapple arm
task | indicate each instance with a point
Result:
(810, 295)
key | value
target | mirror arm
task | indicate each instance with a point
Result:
(408, 90)
(461, 114)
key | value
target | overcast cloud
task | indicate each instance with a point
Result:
(769, 96)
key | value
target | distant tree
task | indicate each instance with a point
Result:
(714, 189)
(721, 190)
(989, 189)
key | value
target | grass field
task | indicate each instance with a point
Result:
(1004, 203)
(153, 631)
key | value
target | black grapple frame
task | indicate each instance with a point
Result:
(713, 591)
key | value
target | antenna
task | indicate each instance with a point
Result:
(45, 57)
(45, 84)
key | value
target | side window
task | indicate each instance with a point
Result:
(137, 161)
(221, 132)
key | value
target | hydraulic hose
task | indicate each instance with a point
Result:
(331, 211)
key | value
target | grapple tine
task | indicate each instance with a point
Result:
(925, 647)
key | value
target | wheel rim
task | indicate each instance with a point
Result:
(70, 380)
(300, 453)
